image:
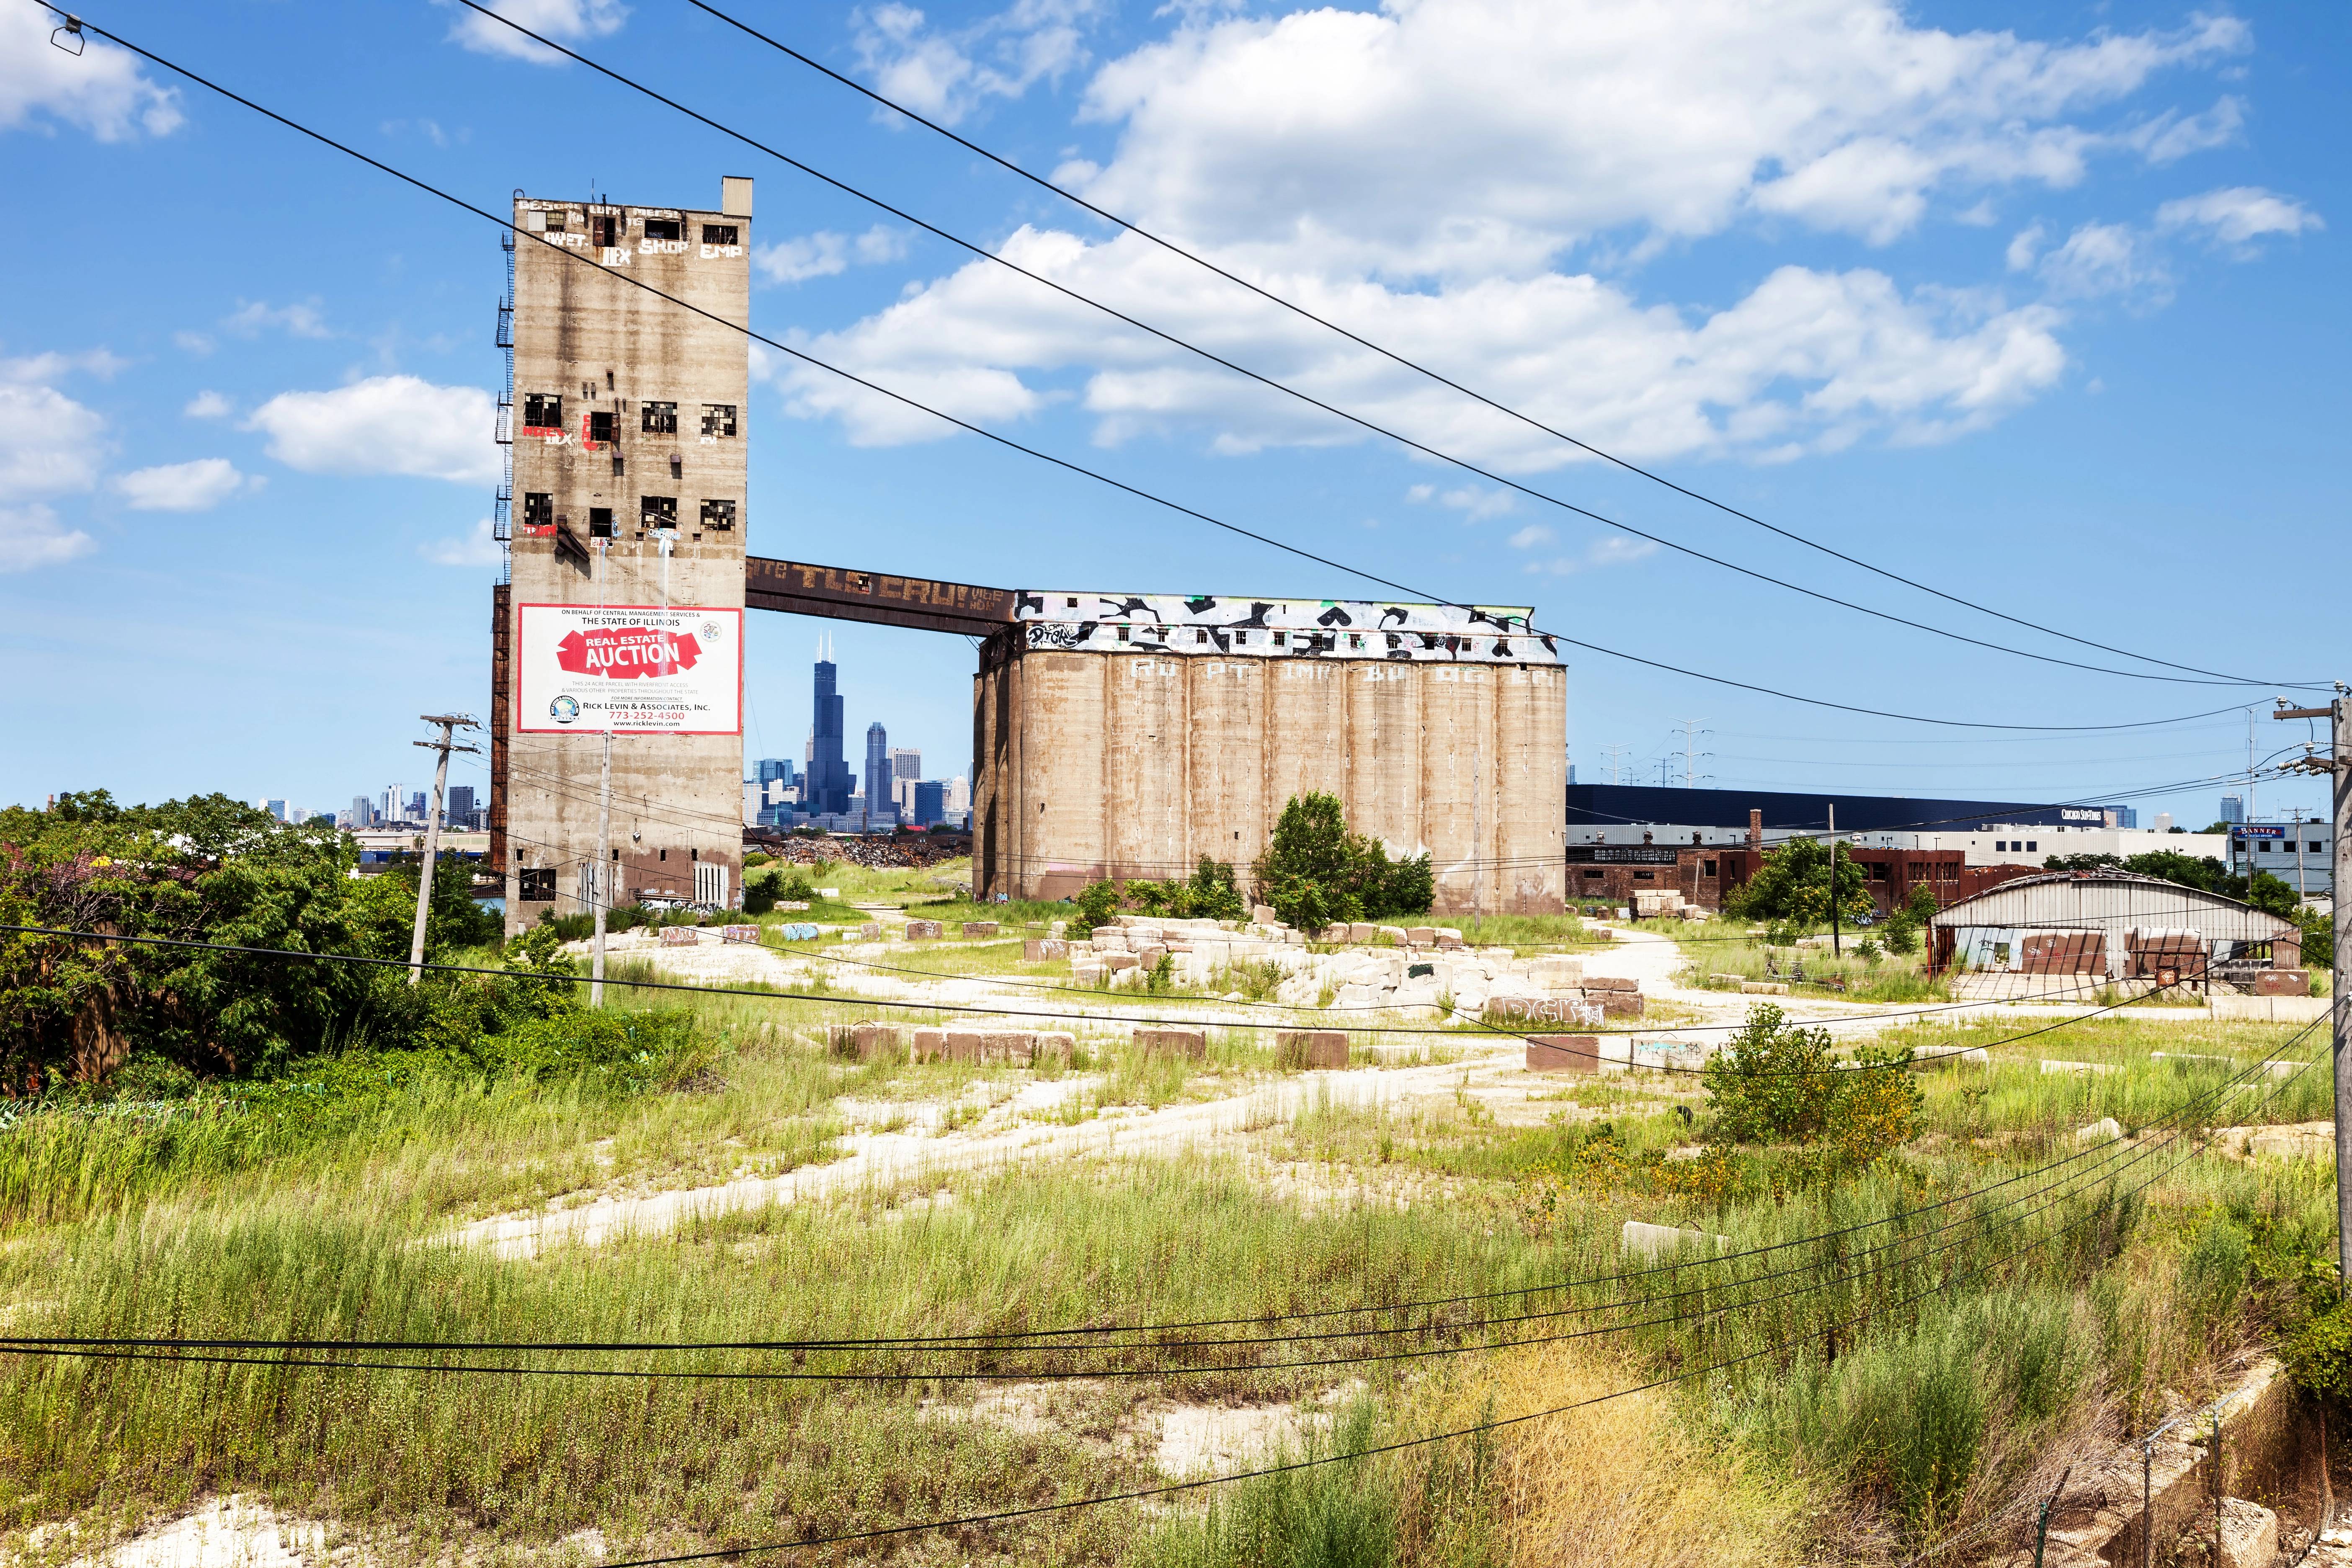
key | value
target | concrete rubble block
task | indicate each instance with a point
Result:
(1665, 1241)
(2103, 1130)
(1415, 993)
(1008, 1047)
(1149, 956)
(1105, 939)
(924, 931)
(870, 932)
(2283, 982)
(980, 928)
(1975, 1056)
(1556, 972)
(680, 936)
(1055, 1045)
(792, 905)
(962, 1045)
(1360, 931)
(1617, 1004)
(1447, 936)
(1359, 995)
(738, 933)
(1610, 983)
(1058, 930)
(1086, 970)
(1037, 949)
(1564, 1053)
(1192, 1043)
(1115, 962)
(1263, 914)
(1764, 987)
(931, 1045)
(1510, 1012)
(841, 1039)
(2250, 1534)
(1389, 933)
(1297, 1049)
(1421, 936)
(2050, 1064)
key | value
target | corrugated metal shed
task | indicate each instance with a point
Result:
(2102, 923)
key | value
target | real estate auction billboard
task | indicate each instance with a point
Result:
(646, 670)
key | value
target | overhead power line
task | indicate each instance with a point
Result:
(1269, 382)
(1422, 370)
(1066, 464)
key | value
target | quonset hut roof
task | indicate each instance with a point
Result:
(2114, 902)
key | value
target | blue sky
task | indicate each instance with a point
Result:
(2036, 303)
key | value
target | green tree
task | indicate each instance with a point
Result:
(1316, 872)
(1793, 884)
(1097, 906)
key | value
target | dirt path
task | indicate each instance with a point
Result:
(1007, 1137)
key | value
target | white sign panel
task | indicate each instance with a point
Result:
(646, 670)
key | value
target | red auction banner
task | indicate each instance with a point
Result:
(627, 653)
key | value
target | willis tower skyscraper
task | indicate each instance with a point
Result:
(830, 784)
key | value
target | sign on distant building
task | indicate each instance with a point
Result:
(677, 670)
(2258, 830)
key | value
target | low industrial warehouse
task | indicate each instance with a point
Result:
(2073, 932)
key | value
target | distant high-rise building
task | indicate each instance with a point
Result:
(276, 808)
(416, 807)
(906, 762)
(460, 807)
(930, 802)
(2164, 822)
(362, 811)
(959, 795)
(773, 770)
(2233, 808)
(880, 806)
(829, 782)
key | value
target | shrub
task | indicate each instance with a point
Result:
(1793, 884)
(1097, 906)
(1315, 872)
(1777, 1083)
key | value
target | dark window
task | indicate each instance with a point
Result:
(538, 509)
(661, 228)
(2000, 846)
(607, 229)
(719, 514)
(1707, 868)
(659, 418)
(718, 234)
(658, 511)
(543, 410)
(556, 222)
(600, 426)
(2031, 847)
(539, 884)
(718, 419)
(600, 522)
(1278, 637)
(1593, 873)
(2316, 847)
(616, 465)
(1646, 876)
(665, 854)
(1395, 641)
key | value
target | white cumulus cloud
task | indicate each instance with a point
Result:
(1610, 550)
(49, 444)
(479, 547)
(386, 424)
(301, 320)
(197, 485)
(947, 74)
(2239, 214)
(103, 90)
(825, 253)
(207, 404)
(31, 536)
(565, 21)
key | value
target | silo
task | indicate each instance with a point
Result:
(1142, 758)
(1457, 775)
(1383, 786)
(1226, 775)
(1531, 737)
(1306, 731)
(1064, 785)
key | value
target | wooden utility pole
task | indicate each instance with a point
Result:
(450, 723)
(1836, 944)
(2337, 763)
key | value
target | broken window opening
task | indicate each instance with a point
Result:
(538, 884)
(718, 419)
(676, 466)
(600, 428)
(716, 514)
(1280, 638)
(1200, 637)
(616, 465)
(607, 230)
(661, 228)
(718, 234)
(600, 522)
(543, 410)
(608, 381)
(659, 418)
(556, 222)
(1122, 634)
(658, 511)
(538, 509)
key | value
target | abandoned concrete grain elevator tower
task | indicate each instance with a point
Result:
(1117, 736)
(625, 518)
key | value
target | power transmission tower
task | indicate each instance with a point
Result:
(450, 725)
(2338, 761)
(1691, 754)
(1615, 755)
